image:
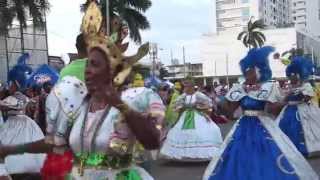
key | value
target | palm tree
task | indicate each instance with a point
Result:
(22, 10)
(252, 37)
(131, 11)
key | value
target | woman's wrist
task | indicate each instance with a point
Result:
(123, 108)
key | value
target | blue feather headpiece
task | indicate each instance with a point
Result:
(20, 72)
(258, 58)
(300, 66)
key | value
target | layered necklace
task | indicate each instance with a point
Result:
(96, 130)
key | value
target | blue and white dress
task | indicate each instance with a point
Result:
(256, 148)
(300, 121)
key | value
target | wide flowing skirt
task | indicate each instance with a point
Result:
(302, 125)
(131, 173)
(21, 129)
(200, 142)
(256, 148)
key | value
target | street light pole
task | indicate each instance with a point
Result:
(184, 62)
(227, 69)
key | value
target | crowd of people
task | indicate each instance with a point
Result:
(100, 121)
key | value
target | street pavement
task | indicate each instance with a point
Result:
(166, 170)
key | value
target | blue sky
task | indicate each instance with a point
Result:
(174, 23)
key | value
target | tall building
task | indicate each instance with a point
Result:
(308, 33)
(234, 14)
(299, 13)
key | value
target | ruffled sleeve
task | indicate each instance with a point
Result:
(236, 93)
(274, 93)
(203, 101)
(62, 109)
(150, 118)
(179, 102)
(307, 90)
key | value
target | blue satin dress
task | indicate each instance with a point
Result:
(290, 124)
(252, 154)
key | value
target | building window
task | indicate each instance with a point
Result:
(319, 9)
(245, 12)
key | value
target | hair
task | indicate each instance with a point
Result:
(301, 66)
(258, 58)
(101, 51)
(81, 44)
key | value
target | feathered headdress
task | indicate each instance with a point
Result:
(257, 58)
(301, 66)
(95, 37)
(20, 72)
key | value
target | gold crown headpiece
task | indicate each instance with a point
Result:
(95, 38)
(92, 29)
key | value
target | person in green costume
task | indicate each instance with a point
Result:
(76, 67)
(171, 115)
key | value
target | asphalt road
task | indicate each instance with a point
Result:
(165, 170)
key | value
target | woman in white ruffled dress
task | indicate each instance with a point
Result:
(19, 129)
(195, 137)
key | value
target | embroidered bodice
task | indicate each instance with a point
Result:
(196, 100)
(304, 90)
(256, 99)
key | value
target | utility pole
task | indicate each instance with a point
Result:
(227, 69)
(215, 68)
(22, 38)
(184, 62)
(153, 56)
(107, 18)
(7, 53)
(171, 56)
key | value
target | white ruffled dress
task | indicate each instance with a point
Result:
(195, 139)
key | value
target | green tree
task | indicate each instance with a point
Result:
(22, 10)
(252, 37)
(131, 11)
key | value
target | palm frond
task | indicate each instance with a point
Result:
(131, 11)
(260, 34)
(141, 5)
(6, 17)
(241, 35)
(20, 12)
(245, 40)
(36, 13)
(258, 24)
(259, 40)
(250, 24)
(136, 22)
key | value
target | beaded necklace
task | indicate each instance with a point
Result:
(84, 156)
(95, 133)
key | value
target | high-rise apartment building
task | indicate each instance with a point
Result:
(299, 13)
(234, 14)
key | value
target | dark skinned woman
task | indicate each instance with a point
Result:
(94, 120)
(255, 147)
(299, 119)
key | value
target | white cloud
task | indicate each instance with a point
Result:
(174, 23)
